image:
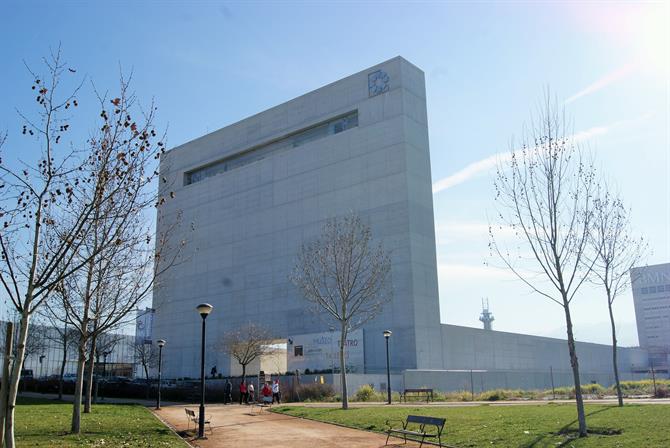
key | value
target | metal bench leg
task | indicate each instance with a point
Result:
(387, 438)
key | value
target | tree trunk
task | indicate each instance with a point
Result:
(614, 354)
(16, 376)
(89, 382)
(6, 366)
(79, 387)
(575, 370)
(343, 369)
(146, 375)
(62, 365)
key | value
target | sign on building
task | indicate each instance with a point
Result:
(320, 351)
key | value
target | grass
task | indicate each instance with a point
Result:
(551, 425)
(44, 423)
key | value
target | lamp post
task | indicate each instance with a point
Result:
(387, 335)
(203, 309)
(104, 356)
(41, 359)
(161, 343)
(332, 351)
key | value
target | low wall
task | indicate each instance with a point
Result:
(482, 380)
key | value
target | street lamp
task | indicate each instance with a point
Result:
(387, 335)
(104, 356)
(203, 309)
(41, 359)
(161, 343)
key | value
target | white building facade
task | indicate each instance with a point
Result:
(255, 191)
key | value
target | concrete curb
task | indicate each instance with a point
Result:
(170, 427)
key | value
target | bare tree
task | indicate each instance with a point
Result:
(345, 278)
(62, 335)
(147, 356)
(544, 191)
(246, 344)
(614, 251)
(52, 210)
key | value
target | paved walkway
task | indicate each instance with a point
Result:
(244, 427)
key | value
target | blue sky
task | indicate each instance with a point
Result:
(209, 64)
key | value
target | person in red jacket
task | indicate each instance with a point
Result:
(244, 396)
(267, 393)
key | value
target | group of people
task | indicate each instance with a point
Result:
(270, 393)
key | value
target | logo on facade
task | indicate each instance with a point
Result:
(378, 82)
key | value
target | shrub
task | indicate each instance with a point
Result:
(662, 392)
(593, 389)
(365, 393)
(492, 395)
(461, 395)
(316, 392)
(640, 387)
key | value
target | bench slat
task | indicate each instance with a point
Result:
(412, 433)
(420, 419)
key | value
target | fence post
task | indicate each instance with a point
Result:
(472, 387)
(653, 378)
(553, 390)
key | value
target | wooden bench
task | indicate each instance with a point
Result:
(192, 416)
(417, 393)
(418, 428)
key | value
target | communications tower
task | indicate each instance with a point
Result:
(486, 317)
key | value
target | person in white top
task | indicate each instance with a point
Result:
(250, 389)
(275, 392)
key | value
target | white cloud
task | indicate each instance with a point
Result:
(484, 166)
(461, 231)
(603, 82)
(470, 171)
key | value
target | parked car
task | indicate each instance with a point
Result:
(70, 377)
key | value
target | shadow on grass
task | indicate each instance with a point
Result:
(572, 434)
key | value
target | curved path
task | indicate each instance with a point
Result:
(245, 427)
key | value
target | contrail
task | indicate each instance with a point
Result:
(482, 166)
(604, 81)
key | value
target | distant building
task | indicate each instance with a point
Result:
(44, 352)
(651, 295)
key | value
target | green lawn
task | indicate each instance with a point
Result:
(45, 423)
(551, 425)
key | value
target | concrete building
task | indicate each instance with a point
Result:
(256, 190)
(651, 295)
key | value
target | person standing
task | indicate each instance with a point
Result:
(228, 392)
(275, 392)
(266, 392)
(243, 393)
(250, 393)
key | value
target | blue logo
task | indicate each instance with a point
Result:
(378, 82)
